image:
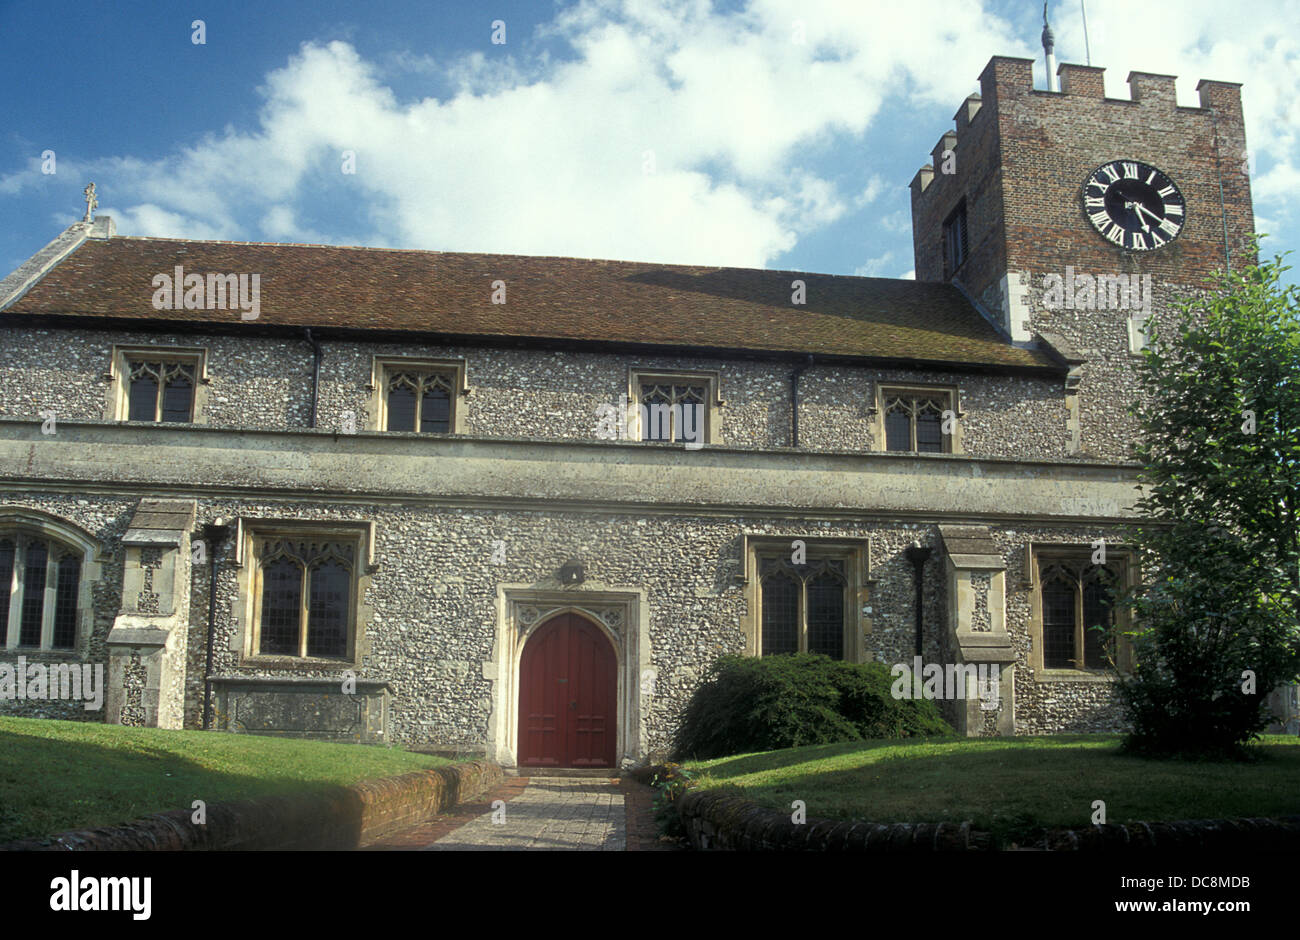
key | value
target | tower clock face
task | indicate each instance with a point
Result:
(1133, 205)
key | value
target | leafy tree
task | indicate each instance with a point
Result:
(1220, 536)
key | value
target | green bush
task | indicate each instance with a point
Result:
(751, 704)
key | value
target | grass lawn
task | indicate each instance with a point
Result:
(60, 775)
(1010, 786)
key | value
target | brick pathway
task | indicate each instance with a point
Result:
(423, 835)
(546, 813)
(552, 813)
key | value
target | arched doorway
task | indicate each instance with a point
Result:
(568, 678)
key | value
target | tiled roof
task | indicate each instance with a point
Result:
(450, 294)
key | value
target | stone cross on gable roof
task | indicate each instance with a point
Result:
(91, 202)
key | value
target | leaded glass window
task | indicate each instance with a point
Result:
(327, 621)
(1059, 605)
(780, 614)
(1098, 611)
(160, 391)
(306, 597)
(31, 613)
(7, 554)
(914, 423)
(65, 602)
(419, 401)
(803, 606)
(33, 605)
(825, 592)
(673, 411)
(1077, 597)
(281, 600)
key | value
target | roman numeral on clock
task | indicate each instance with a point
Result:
(1110, 172)
(1130, 171)
(1116, 234)
(1139, 241)
(1099, 219)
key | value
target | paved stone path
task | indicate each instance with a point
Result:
(551, 813)
(546, 813)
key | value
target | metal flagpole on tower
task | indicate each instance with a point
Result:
(1086, 48)
(1049, 45)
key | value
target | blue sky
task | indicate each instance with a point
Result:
(671, 131)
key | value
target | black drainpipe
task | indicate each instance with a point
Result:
(315, 373)
(214, 535)
(794, 399)
(917, 555)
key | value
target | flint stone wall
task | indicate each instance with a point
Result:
(264, 383)
(434, 597)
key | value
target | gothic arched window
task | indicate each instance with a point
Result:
(1078, 607)
(803, 606)
(914, 420)
(40, 589)
(306, 596)
(419, 401)
(669, 410)
(160, 391)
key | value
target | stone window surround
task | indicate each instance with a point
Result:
(856, 554)
(711, 380)
(1137, 335)
(21, 520)
(1039, 554)
(117, 400)
(381, 366)
(886, 390)
(621, 614)
(246, 609)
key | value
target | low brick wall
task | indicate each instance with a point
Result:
(344, 818)
(717, 821)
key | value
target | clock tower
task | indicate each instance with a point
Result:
(1070, 218)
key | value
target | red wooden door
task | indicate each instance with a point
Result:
(567, 684)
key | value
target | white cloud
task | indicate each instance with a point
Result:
(876, 267)
(151, 220)
(871, 192)
(897, 222)
(539, 156)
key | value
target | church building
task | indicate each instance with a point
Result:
(516, 506)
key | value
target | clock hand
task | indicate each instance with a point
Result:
(1142, 208)
(1131, 206)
